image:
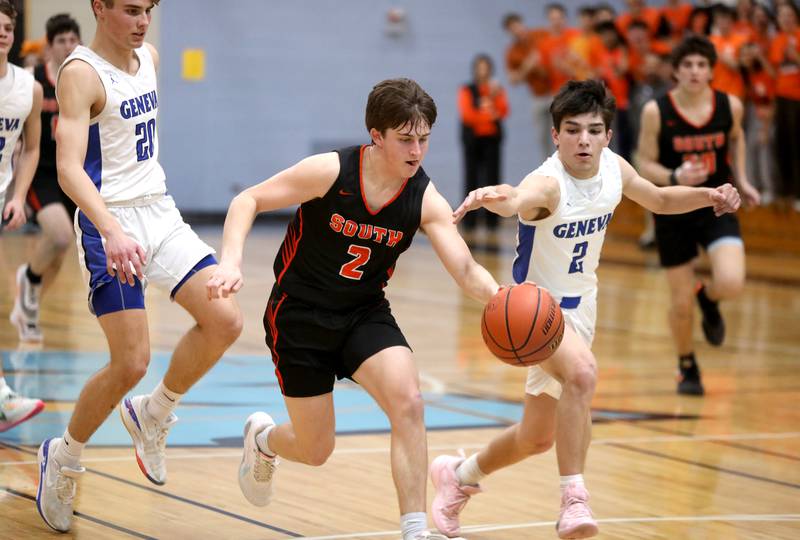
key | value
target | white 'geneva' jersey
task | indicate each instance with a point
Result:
(16, 100)
(561, 251)
(122, 153)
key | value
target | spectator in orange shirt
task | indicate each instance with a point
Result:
(558, 56)
(784, 54)
(727, 74)
(675, 15)
(613, 69)
(759, 113)
(638, 10)
(699, 21)
(524, 63)
(639, 46)
(604, 13)
(483, 105)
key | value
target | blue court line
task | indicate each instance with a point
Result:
(705, 465)
(81, 515)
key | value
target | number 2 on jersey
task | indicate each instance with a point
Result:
(146, 144)
(351, 270)
(576, 266)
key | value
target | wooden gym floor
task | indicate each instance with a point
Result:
(661, 466)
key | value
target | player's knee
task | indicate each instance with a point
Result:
(61, 241)
(228, 325)
(583, 377)
(408, 409)
(317, 454)
(132, 372)
(531, 444)
(729, 286)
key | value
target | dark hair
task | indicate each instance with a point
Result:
(588, 11)
(724, 10)
(8, 9)
(511, 18)
(609, 26)
(394, 103)
(637, 23)
(581, 97)
(61, 24)
(482, 57)
(694, 45)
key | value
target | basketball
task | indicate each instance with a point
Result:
(522, 325)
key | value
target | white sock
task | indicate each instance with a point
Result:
(412, 524)
(262, 441)
(69, 451)
(571, 479)
(469, 473)
(162, 402)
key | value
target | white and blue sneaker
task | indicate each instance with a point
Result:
(257, 469)
(149, 437)
(56, 487)
(15, 409)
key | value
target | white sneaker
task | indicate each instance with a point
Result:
(149, 437)
(56, 487)
(257, 469)
(25, 314)
(15, 409)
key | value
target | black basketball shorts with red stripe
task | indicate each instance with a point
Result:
(45, 190)
(312, 347)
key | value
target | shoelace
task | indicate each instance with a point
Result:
(65, 488)
(264, 468)
(458, 504)
(32, 296)
(576, 508)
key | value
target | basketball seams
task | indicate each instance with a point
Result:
(508, 325)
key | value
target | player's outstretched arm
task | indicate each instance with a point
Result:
(78, 90)
(676, 199)
(534, 193)
(28, 160)
(473, 278)
(306, 180)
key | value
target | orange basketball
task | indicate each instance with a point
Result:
(522, 325)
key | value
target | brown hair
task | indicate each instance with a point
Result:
(393, 103)
(576, 98)
(8, 9)
(110, 3)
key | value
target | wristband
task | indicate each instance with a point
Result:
(673, 178)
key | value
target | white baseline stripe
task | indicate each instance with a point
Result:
(535, 524)
(436, 448)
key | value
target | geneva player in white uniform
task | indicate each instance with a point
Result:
(20, 107)
(564, 208)
(129, 234)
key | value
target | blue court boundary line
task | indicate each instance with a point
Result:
(173, 496)
(81, 515)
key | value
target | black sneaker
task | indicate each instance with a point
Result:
(689, 383)
(713, 324)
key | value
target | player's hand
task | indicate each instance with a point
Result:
(14, 215)
(691, 173)
(725, 199)
(750, 195)
(476, 199)
(125, 258)
(224, 281)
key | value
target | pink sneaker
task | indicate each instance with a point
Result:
(575, 519)
(451, 496)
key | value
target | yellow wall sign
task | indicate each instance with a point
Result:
(194, 64)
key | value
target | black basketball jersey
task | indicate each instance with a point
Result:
(681, 140)
(47, 145)
(338, 253)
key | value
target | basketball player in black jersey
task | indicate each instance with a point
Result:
(327, 316)
(691, 136)
(53, 209)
